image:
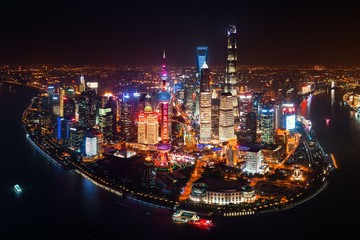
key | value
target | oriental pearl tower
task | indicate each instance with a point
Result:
(164, 146)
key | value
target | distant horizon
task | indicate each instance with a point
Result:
(268, 33)
(239, 66)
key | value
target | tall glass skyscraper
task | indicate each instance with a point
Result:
(267, 124)
(127, 116)
(201, 57)
(230, 78)
(231, 83)
(87, 109)
(205, 105)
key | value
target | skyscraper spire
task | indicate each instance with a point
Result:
(231, 83)
(163, 147)
(163, 73)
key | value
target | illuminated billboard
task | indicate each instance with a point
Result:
(290, 122)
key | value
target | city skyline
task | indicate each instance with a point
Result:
(271, 33)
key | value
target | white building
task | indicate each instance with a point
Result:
(254, 161)
(226, 118)
(216, 193)
(91, 146)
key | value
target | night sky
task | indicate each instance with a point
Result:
(269, 32)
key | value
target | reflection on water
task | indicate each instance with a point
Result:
(305, 106)
(332, 97)
(327, 120)
(354, 116)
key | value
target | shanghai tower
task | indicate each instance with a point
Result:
(230, 78)
(231, 83)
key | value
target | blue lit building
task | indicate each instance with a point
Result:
(63, 128)
(201, 57)
(60, 121)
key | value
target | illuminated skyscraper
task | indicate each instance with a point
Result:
(226, 119)
(205, 78)
(215, 113)
(190, 94)
(127, 117)
(50, 100)
(106, 119)
(87, 109)
(288, 116)
(205, 105)
(201, 57)
(277, 117)
(230, 79)
(61, 101)
(76, 138)
(82, 85)
(267, 124)
(245, 108)
(164, 97)
(148, 126)
(231, 83)
(148, 174)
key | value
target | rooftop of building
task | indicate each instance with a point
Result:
(221, 185)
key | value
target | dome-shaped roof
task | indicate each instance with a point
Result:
(164, 96)
(163, 146)
(148, 108)
(247, 188)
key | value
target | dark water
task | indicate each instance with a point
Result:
(59, 204)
